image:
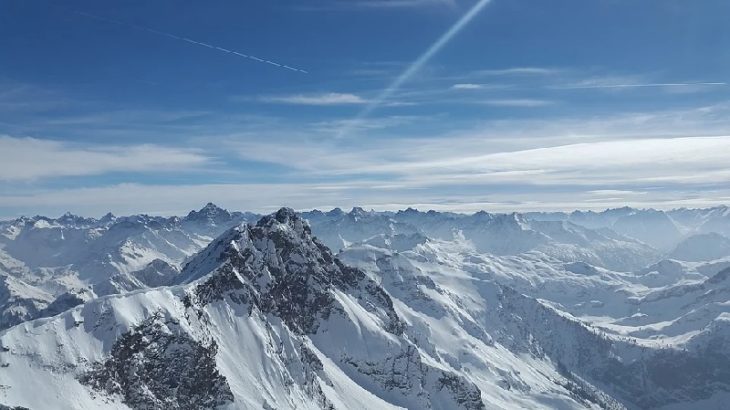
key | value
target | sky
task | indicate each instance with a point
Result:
(463, 105)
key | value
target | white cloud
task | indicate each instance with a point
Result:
(316, 99)
(630, 162)
(518, 103)
(31, 158)
(480, 86)
(618, 83)
(467, 86)
(518, 71)
(637, 150)
(376, 4)
(403, 3)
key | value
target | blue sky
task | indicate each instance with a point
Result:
(525, 105)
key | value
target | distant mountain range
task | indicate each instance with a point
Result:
(626, 308)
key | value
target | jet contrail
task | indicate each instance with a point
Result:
(418, 64)
(191, 41)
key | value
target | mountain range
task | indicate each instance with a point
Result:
(626, 308)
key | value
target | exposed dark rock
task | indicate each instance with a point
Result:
(158, 366)
(62, 303)
(466, 394)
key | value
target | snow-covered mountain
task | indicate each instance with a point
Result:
(88, 257)
(702, 247)
(660, 229)
(415, 310)
(499, 234)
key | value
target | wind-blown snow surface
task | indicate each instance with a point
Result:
(417, 310)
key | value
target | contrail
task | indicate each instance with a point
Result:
(417, 64)
(190, 41)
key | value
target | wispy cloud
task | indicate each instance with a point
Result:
(694, 160)
(632, 149)
(30, 158)
(18, 98)
(376, 4)
(634, 82)
(518, 103)
(315, 99)
(517, 71)
(581, 167)
(367, 124)
(547, 79)
(467, 86)
(479, 86)
(402, 3)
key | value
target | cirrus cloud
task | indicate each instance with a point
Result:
(32, 158)
(316, 99)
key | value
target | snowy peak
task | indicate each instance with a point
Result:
(107, 219)
(209, 209)
(335, 212)
(277, 266)
(209, 213)
(358, 212)
(284, 217)
(484, 216)
(284, 229)
(211, 220)
(408, 211)
(74, 220)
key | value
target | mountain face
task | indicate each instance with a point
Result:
(20, 301)
(417, 310)
(702, 247)
(653, 227)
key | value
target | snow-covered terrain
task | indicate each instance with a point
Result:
(42, 259)
(619, 309)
